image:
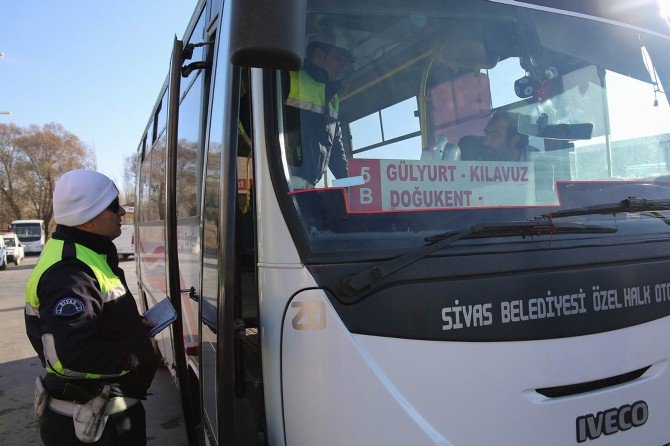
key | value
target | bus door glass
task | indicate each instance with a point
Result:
(210, 247)
(210, 262)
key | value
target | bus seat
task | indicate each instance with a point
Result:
(473, 149)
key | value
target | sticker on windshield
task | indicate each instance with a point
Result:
(404, 185)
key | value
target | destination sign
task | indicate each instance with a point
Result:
(405, 185)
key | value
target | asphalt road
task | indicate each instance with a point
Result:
(19, 365)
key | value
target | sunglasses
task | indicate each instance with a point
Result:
(114, 206)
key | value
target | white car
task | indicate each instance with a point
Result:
(13, 247)
(3, 254)
(125, 243)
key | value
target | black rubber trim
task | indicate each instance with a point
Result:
(576, 389)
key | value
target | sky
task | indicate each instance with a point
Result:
(94, 67)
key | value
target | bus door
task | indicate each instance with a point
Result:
(231, 390)
(230, 370)
(189, 81)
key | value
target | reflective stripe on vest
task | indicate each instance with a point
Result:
(308, 94)
(111, 288)
(54, 366)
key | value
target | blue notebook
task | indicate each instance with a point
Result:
(162, 314)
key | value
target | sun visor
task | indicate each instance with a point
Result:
(614, 48)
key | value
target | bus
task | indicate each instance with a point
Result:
(31, 233)
(462, 283)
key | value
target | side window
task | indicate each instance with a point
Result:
(191, 110)
(188, 161)
(156, 205)
(143, 199)
(198, 53)
(387, 133)
(151, 133)
(160, 120)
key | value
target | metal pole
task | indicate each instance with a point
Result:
(606, 115)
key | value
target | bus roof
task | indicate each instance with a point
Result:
(644, 14)
(26, 221)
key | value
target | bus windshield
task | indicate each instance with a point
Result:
(27, 232)
(411, 120)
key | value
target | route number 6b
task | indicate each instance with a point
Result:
(310, 316)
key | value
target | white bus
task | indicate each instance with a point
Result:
(31, 233)
(442, 294)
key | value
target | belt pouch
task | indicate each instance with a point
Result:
(41, 397)
(89, 419)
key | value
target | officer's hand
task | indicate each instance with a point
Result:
(148, 324)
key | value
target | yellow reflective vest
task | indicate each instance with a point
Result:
(111, 288)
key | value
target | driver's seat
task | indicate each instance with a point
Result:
(473, 149)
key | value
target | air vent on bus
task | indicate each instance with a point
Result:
(575, 389)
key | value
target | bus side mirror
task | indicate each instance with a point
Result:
(268, 34)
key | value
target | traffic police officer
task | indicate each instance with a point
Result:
(84, 324)
(314, 103)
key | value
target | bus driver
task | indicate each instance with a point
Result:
(501, 142)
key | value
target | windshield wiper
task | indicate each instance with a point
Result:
(353, 285)
(532, 227)
(630, 204)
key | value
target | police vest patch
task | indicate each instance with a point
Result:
(68, 306)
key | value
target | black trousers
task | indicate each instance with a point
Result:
(127, 428)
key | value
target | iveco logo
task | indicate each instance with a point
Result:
(611, 421)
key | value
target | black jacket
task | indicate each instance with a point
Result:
(103, 338)
(320, 142)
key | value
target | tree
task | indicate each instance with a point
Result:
(10, 179)
(129, 177)
(31, 160)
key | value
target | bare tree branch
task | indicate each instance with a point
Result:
(31, 160)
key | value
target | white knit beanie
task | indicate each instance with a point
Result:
(80, 195)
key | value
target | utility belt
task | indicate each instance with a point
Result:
(89, 415)
(114, 405)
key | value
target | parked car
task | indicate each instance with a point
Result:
(14, 248)
(125, 243)
(3, 254)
